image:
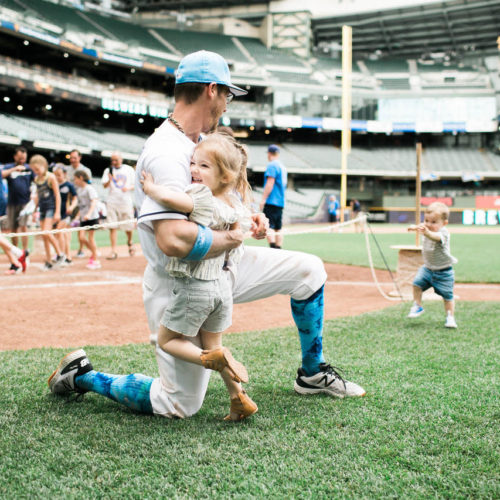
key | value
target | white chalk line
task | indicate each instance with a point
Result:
(110, 278)
(114, 279)
(471, 286)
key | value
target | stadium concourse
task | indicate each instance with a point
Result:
(105, 307)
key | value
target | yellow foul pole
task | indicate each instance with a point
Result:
(346, 113)
(418, 191)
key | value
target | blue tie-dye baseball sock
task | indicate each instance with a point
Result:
(129, 390)
(308, 316)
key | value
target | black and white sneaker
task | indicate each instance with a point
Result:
(74, 364)
(47, 267)
(59, 260)
(328, 381)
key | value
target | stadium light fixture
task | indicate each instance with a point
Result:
(65, 55)
(105, 116)
(26, 42)
(6, 99)
(141, 120)
(20, 108)
(48, 107)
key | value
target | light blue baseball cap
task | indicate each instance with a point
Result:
(206, 67)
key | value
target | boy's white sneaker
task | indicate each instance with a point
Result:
(415, 311)
(450, 322)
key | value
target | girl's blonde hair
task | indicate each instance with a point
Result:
(40, 161)
(232, 158)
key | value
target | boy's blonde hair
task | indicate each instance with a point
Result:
(231, 157)
(439, 209)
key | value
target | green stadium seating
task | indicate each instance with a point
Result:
(265, 56)
(63, 16)
(191, 41)
(387, 66)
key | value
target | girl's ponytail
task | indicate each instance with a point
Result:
(242, 184)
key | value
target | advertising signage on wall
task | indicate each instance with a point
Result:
(487, 202)
(480, 217)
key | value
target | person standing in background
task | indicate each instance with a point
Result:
(19, 178)
(75, 164)
(356, 213)
(119, 179)
(273, 197)
(333, 206)
(68, 194)
(3, 197)
(88, 214)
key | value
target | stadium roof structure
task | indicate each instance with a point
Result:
(440, 31)
(179, 5)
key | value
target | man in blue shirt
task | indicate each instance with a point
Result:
(19, 177)
(273, 197)
(333, 206)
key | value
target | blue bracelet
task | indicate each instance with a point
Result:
(201, 245)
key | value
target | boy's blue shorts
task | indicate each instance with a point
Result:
(442, 281)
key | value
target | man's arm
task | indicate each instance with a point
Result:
(106, 183)
(6, 172)
(267, 191)
(176, 238)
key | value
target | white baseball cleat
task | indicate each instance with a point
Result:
(328, 381)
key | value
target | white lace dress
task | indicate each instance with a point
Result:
(212, 212)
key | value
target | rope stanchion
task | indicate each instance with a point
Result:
(372, 267)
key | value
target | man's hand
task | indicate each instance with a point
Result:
(259, 227)
(235, 236)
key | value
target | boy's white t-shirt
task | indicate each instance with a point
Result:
(437, 253)
(123, 177)
(86, 195)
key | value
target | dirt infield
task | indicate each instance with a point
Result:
(73, 306)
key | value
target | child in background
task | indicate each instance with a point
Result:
(88, 214)
(68, 204)
(49, 204)
(437, 271)
(201, 298)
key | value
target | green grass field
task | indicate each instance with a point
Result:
(478, 254)
(428, 426)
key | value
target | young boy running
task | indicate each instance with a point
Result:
(437, 271)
